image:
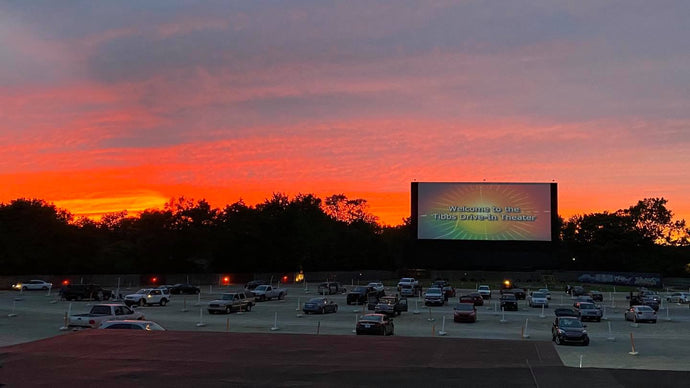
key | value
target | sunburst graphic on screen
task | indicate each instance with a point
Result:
(487, 212)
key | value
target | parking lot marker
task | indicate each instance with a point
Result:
(542, 312)
(201, 318)
(632, 342)
(184, 305)
(14, 305)
(443, 327)
(430, 319)
(503, 316)
(524, 329)
(611, 337)
(355, 329)
(275, 322)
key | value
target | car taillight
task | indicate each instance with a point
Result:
(92, 322)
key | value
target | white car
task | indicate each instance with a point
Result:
(678, 297)
(32, 285)
(130, 324)
(147, 296)
(538, 299)
(484, 291)
(377, 286)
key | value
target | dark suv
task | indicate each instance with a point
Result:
(358, 295)
(85, 291)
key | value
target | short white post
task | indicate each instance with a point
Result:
(198, 299)
(210, 288)
(632, 342)
(65, 326)
(443, 327)
(580, 361)
(117, 291)
(355, 328)
(49, 288)
(275, 322)
(306, 287)
(13, 314)
(430, 319)
(298, 305)
(524, 329)
(603, 313)
(610, 337)
(503, 315)
(416, 307)
(184, 304)
(201, 318)
(668, 318)
(542, 312)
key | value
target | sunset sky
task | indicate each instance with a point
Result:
(122, 105)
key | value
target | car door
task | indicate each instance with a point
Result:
(402, 304)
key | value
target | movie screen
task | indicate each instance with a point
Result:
(484, 211)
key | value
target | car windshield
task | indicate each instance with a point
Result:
(228, 296)
(645, 309)
(574, 323)
(544, 290)
(360, 289)
(433, 291)
(261, 288)
(143, 291)
(509, 297)
(315, 300)
(464, 307)
(483, 287)
(372, 318)
(586, 306)
(538, 295)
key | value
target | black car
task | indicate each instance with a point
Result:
(320, 305)
(330, 288)
(509, 302)
(597, 296)
(569, 330)
(379, 324)
(518, 292)
(180, 288)
(359, 294)
(85, 291)
(250, 286)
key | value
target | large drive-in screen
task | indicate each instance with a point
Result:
(484, 211)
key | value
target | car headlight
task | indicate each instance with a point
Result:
(560, 331)
(584, 331)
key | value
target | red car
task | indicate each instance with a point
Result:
(465, 312)
(473, 298)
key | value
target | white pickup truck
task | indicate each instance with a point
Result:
(103, 312)
(268, 292)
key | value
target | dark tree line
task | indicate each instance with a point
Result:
(305, 232)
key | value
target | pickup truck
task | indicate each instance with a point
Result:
(268, 292)
(85, 291)
(103, 312)
(231, 301)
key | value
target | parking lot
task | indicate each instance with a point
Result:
(29, 316)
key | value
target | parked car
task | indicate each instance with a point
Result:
(129, 324)
(597, 296)
(434, 297)
(566, 312)
(266, 292)
(148, 296)
(509, 302)
(473, 297)
(678, 297)
(582, 299)
(538, 299)
(231, 301)
(636, 299)
(448, 291)
(180, 288)
(518, 292)
(100, 313)
(251, 285)
(576, 291)
(546, 292)
(32, 285)
(379, 324)
(321, 305)
(331, 288)
(378, 287)
(358, 295)
(569, 330)
(85, 291)
(409, 291)
(485, 291)
(465, 312)
(391, 305)
(588, 311)
(640, 313)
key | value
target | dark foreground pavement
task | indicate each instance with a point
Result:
(121, 358)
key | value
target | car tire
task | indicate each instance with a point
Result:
(142, 302)
(335, 310)
(635, 318)
(323, 310)
(163, 302)
(228, 309)
(557, 340)
(586, 343)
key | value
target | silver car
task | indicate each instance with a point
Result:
(640, 313)
(678, 297)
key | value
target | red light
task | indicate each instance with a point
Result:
(65, 282)
(226, 280)
(154, 279)
(285, 279)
